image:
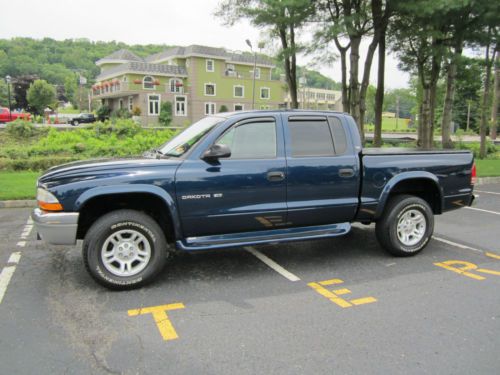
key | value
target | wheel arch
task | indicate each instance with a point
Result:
(422, 184)
(152, 200)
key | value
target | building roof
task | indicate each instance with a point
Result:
(121, 55)
(216, 53)
(143, 68)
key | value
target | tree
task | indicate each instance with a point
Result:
(41, 95)
(283, 19)
(488, 62)
(496, 97)
(70, 87)
(417, 36)
(4, 98)
(165, 117)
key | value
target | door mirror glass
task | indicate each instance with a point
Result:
(217, 151)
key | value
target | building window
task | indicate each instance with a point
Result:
(209, 65)
(209, 108)
(238, 91)
(120, 103)
(130, 103)
(124, 79)
(210, 89)
(265, 93)
(257, 73)
(239, 107)
(148, 83)
(153, 105)
(180, 106)
(176, 85)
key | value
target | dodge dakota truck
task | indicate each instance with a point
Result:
(246, 178)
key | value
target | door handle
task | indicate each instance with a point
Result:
(275, 176)
(346, 172)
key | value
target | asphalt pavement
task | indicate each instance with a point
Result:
(340, 306)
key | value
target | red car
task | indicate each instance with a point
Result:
(5, 115)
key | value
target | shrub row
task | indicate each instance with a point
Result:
(38, 149)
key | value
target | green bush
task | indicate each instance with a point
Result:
(121, 113)
(165, 117)
(109, 139)
(103, 112)
(21, 129)
(223, 108)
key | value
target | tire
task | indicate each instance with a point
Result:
(416, 225)
(125, 249)
(75, 123)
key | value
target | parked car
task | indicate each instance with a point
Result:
(246, 178)
(6, 116)
(83, 118)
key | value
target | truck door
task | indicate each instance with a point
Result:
(322, 171)
(245, 192)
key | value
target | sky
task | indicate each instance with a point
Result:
(167, 22)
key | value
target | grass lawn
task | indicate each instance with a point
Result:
(389, 125)
(17, 185)
(488, 167)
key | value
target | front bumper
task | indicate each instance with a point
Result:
(56, 228)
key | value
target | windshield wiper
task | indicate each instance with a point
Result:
(154, 152)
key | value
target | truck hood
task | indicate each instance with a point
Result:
(90, 168)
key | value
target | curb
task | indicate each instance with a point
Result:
(487, 180)
(18, 203)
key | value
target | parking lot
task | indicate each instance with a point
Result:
(320, 307)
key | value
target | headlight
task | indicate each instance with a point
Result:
(47, 201)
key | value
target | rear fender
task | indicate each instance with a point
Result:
(386, 192)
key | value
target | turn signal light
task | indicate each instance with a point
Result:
(50, 206)
(47, 201)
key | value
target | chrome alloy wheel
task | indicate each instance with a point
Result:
(126, 252)
(411, 227)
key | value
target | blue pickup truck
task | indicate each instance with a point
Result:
(246, 178)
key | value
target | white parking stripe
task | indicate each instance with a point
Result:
(5, 277)
(14, 257)
(21, 244)
(272, 264)
(480, 209)
(30, 221)
(457, 244)
(487, 192)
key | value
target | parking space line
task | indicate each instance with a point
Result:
(272, 264)
(14, 257)
(457, 244)
(21, 244)
(7, 273)
(486, 192)
(481, 210)
(492, 255)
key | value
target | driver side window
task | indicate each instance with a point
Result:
(255, 140)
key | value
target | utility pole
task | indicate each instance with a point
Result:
(468, 115)
(8, 80)
(254, 69)
(397, 111)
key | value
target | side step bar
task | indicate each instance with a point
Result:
(261, 237)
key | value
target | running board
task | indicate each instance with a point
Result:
(261, 237)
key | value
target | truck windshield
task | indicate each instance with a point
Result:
(182, 143)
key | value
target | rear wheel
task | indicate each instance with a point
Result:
(75, 122)
(125, 249)
(407, 225)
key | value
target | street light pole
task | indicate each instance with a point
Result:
(254, 69)
(8, 80)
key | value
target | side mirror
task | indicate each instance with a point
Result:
(217, 151)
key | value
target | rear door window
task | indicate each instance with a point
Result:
(310, 137)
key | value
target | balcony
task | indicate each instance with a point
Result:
(115, 89)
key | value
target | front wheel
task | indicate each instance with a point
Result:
(407, 225)
(75, 123)
(125, 249)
